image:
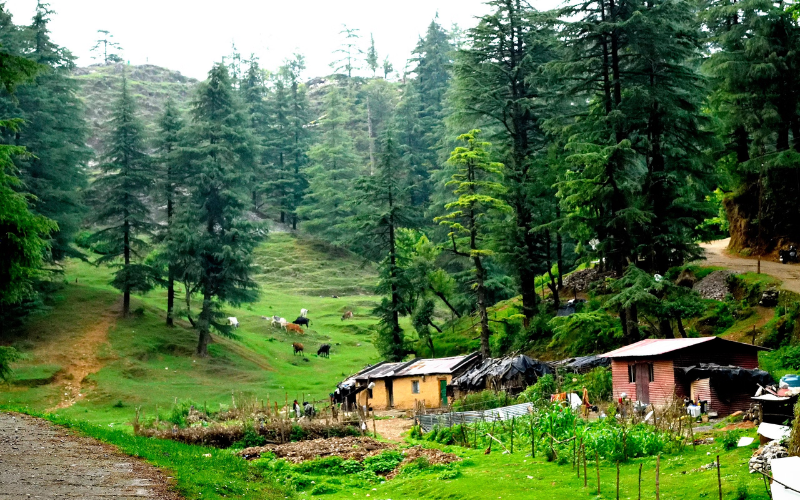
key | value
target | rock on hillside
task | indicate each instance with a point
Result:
(152, 86)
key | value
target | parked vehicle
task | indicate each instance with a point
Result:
(789, 255)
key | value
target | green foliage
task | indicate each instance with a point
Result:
(7, 356)
(250, 438)
(586, 332)
(789, 356)
(383, 463)
(597, 381)
(729, 439)
(483, 400)
(541, 390)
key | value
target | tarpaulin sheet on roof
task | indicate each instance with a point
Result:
(725, 375)
(501, 373)
(582, 364)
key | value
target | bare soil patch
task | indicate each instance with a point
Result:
(393, 428)
(41, 460)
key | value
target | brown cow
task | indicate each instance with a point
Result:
(291, 327)
(298, 347)
(347, 315)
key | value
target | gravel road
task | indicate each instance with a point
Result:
(41, 460)
(717, 256)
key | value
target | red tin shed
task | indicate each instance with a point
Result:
(646, 371)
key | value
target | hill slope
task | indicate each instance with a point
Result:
(86, 361)
(151, 85)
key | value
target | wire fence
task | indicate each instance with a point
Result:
(427, 422)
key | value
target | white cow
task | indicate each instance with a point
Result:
(303, 313)
(233, 322)
(280, 321)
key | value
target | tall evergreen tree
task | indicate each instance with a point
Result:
(106, 49)
(349, 51)
(372, 56)
(215, 231)
(54, 129)
(171, 179)
(477, 190)
(121, 213)
(499, 84)
(384, 208)
(333, 169)
(254, 95)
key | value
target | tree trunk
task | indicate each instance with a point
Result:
(680, 326)
(170, 267)
(126, 252)
(665, 328)
(484, 316)
(204, 327)
(446, 302)
(632, 315)
(559, 252)
(371, 139)
(552, 285)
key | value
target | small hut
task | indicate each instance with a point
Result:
(511, 374)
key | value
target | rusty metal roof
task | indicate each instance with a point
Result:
(656, 347)
(381, 370)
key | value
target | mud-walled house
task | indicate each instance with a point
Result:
(402, 385)
(721, 372)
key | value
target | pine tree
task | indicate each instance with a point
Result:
(254, 95)
(105, 48)
(171, 178)
(384, 208)
(214, 229)
(475, 185)
(54, 131)
(372, 56)
(121, 213)
(498, 84)
(387, 68)
(349, 51)
(334, 166)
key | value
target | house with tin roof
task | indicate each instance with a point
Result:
(402, 385)
(720, 372)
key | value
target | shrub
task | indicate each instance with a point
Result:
(790, 357)
(415, 432)
(450, 473)
(484, 400)
(541, 390)
(330, 465)
(7, 356)
(324, 489)
(729, 440)
(249, 439)
(351, 466)
(383, 463)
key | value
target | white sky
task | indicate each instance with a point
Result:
(189, 36)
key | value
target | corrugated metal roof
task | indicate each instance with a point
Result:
(380, 370)
(430, 366)
(656, 347)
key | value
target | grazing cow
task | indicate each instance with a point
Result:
(347, 315)
(302, 321)
(280, 321)
(298, 347)
(324, 350)
(233, 322)
(291, 327)
(303, 313)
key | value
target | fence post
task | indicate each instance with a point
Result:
(583, 452)
(640, 481)
(617, 480)
(658, 471)
(719, 479)
(512, 435)
(597, 466)
(533, 439)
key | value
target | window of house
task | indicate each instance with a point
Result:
(415, 386)
(632, 373)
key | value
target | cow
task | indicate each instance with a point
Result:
(347, 315)
(291, 327)
(281, 321)
(233, 322)
(298, 347)
(302, 321)
(303, 313)
(324, 350)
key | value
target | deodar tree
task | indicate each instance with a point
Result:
(475, 185)
(121, 213)
(215, 231)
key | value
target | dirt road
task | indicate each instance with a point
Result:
(716, 256)
(41, 460)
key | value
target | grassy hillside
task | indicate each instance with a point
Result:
(138, 362)
(151, 85)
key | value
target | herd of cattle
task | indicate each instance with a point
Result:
(296, 327)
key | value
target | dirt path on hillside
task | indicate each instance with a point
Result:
(716, 255)
(393, 428)
(41, 460)
(78, 357)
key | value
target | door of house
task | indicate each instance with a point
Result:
(443, 391)
(643, 383)
(389, 392)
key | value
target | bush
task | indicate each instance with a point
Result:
(7, 356)
(730, 440)
(383, 463)
(415, 432)
(324, 489)
(790, 357)
(541, 390)
(251, 438)
(328, 465)
(484, 400)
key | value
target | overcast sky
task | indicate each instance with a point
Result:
(190, 35)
